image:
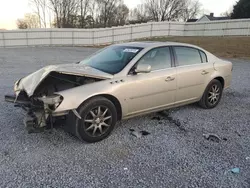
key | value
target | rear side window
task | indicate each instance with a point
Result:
(187, 56)
(203, 57)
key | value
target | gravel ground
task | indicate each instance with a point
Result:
(175, 154)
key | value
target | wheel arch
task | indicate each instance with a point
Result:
(221, 80)
(112, 98)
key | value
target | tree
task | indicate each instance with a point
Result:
(241, 9)
(226, 14)
(28, 22)
(84, 7)
(65, 12)
(139, 14)
(165, 10)
(106, 11)
(21, 24)
(121, 14)
(41, 7)
(191, 10)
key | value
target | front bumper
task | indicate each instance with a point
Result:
(37, 118)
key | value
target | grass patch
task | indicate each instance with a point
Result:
(225, 47)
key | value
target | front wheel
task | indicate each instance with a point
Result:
(98, 119)
(212, 95)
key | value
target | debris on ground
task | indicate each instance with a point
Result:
(212, 137)
(238, 133)
(235, 170)
(158, 118)
(225, 139)
(138, 134)
(167, 116)
(144, 133)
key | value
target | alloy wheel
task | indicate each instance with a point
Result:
(97, 121)
(214, 94)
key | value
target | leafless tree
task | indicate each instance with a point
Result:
(41, 9)
(65, 12)
(165, 10)
(139, 14)
(121, 15)
(106, 11)
(84, 6)
(21, 24)
(191, 10)
(28, 22)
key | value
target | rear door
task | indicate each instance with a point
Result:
(193, 71)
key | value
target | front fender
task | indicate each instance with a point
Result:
(73, 98)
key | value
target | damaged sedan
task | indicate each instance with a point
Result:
(119, 82)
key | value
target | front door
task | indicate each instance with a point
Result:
(156, 89)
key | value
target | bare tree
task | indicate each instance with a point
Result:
(139, 14)
(28, 22)
(84, 9)
(21, 24)
(121, 14)
(106, 11)
(162, 10)
(41, 9)
(191, 10)
(65, 12)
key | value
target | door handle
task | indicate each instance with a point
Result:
(204, 72)
(169, 78)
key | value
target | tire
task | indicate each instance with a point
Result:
(99, 117)
(207, 101)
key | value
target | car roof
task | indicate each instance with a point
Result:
(150, 44)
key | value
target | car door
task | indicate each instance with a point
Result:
(153, 90)
(193, 71)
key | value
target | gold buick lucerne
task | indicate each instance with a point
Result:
(119, 82)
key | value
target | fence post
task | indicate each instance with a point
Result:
(169, 25)
(3, 39)
(50, 37)
(93, 37)
(113, 37)
(248, 32)
(26, 34)
(151, 30)
(131, 33)
(73, 37)
(204, 29)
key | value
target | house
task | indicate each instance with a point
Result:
(208, 18)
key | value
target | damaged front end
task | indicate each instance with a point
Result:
(41, 103)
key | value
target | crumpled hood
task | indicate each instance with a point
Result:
(30, 82)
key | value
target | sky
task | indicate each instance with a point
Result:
(11, 10)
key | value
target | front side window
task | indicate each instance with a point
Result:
(112, 59)
(158, 58)
(187, 56)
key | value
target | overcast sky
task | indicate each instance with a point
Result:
(10, 10)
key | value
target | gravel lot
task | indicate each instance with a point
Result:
(175, 154)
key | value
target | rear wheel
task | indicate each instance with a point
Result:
(98, 119)
(212, 95)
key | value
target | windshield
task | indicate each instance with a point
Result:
(113, 59)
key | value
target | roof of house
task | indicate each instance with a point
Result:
(212, 18)
(192, 20)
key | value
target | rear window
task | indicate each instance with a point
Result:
(203, 57)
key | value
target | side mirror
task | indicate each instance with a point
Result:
(143, 68)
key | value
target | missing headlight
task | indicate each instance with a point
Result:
(51, 102)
